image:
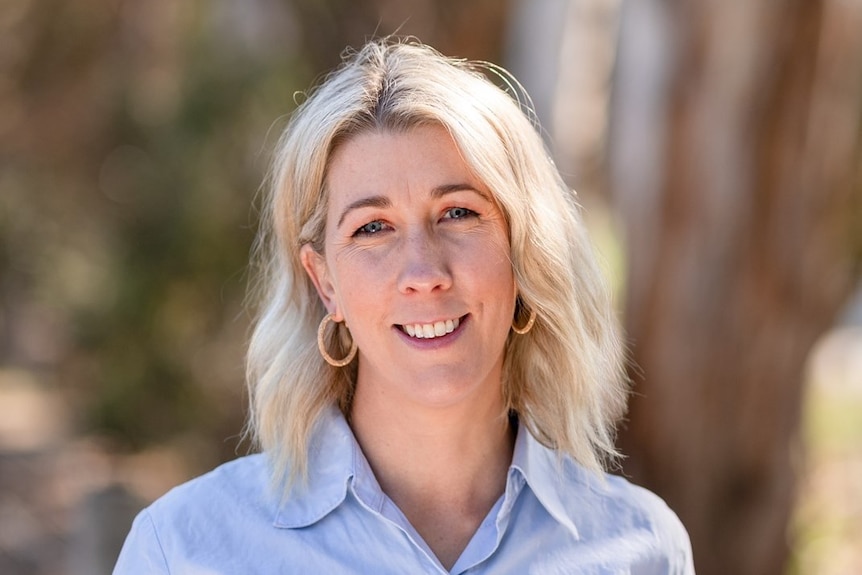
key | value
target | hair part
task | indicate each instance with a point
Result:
(564, 379)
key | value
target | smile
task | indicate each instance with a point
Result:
(431, 330)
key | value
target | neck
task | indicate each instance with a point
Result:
(444, 467)
(433, 445)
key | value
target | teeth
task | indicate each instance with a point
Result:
(430, 331)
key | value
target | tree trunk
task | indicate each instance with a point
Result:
(735, 155)
(470, 29)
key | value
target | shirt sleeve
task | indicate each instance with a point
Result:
(142, 552)
(680, 555)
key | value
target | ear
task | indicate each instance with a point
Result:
(315, 267)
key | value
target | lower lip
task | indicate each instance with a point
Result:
(434, 342)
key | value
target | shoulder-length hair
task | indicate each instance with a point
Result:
(564, 379)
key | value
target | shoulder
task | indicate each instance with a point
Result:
(232, 476)
(241, 484)
(640, 506)
(203, 521)
(605, 513)
(605, 507)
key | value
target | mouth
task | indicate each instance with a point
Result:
(431, 330)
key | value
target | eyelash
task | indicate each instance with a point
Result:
(364, 231)
(467, 213)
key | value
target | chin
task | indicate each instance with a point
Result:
(450, 390)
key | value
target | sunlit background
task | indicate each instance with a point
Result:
(134, 137)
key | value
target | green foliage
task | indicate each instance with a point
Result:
(141, 138)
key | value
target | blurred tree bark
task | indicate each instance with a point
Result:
(462, 28)
(735, 161)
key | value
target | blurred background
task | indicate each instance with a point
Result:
(716, 148)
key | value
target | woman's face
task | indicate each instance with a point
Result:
(417, 263)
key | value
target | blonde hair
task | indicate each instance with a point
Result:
(564, 379)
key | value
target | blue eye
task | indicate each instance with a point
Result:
(370, 228)
(459, 213)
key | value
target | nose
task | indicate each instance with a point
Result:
(424, 265)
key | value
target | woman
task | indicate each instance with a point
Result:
(436, 372)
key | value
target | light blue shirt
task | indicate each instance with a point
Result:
(554, 518)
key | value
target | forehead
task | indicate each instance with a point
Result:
(384, 162)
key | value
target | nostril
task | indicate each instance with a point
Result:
(426, 277)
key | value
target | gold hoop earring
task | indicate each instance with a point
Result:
(321, 345)
(528, 326)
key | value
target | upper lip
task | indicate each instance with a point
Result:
(433, 321)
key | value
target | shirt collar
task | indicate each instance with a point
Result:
(547, 473)
(331, 465)
(335, 461)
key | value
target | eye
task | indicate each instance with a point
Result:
(370, 228)
(458, 213)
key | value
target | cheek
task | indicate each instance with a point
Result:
(360, 289)
(492, 271)
(497, 258)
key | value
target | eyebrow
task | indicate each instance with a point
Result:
(369, 202)
(441, 191)
(384, 202)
